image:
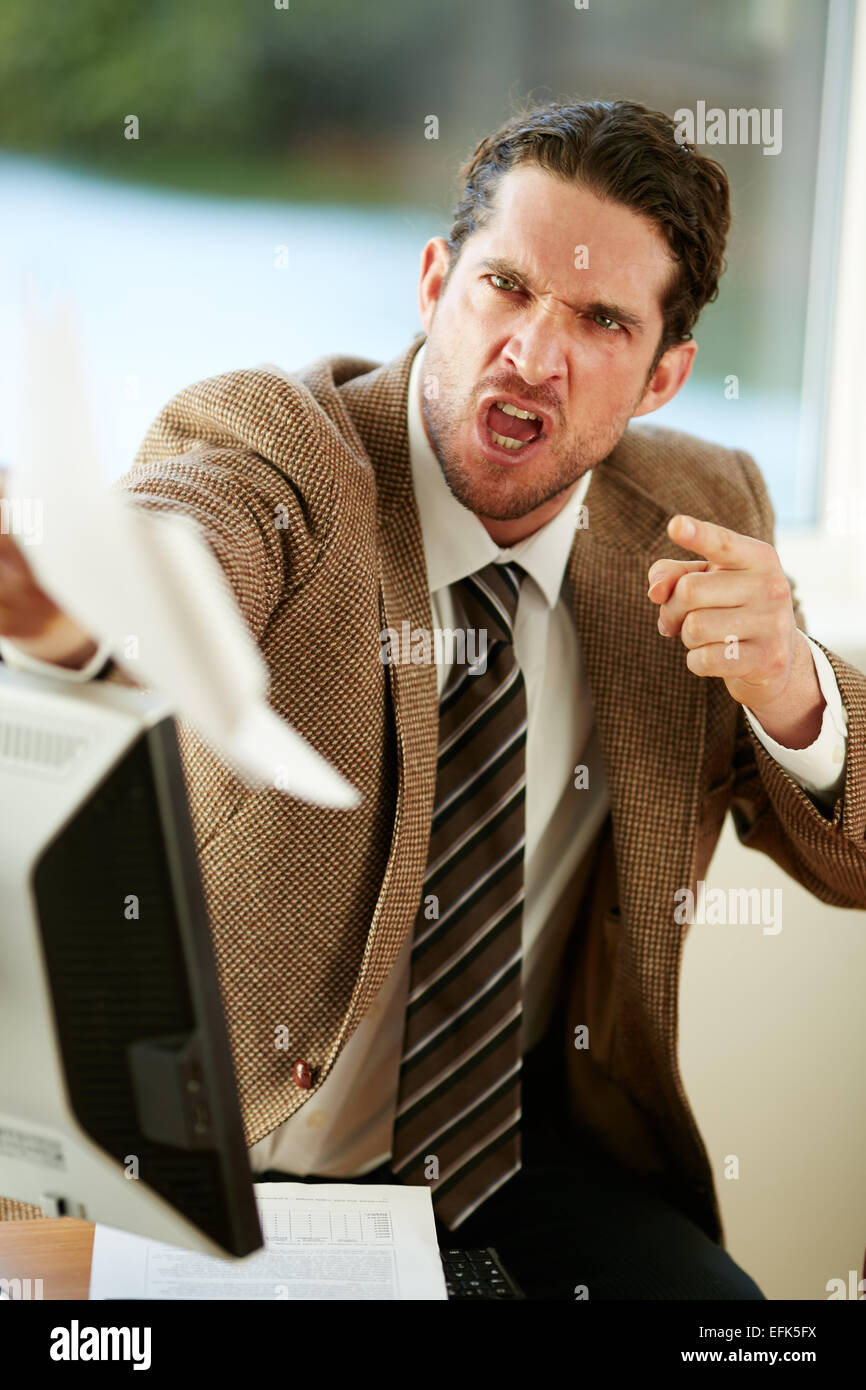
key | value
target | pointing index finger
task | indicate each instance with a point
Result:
(727, 549)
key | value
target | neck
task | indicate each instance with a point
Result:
(508, 533)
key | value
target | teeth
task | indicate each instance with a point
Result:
(506, 442)
(515, 410)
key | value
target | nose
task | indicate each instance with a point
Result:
(537, 349)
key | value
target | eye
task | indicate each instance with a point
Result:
(609, 325)
(507, 284)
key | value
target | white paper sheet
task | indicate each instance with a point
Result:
(124, 573)
(323, 1241)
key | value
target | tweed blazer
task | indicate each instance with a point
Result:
(302, 485)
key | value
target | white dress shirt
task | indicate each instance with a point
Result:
(345, 1129)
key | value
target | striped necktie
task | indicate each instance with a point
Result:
(457, 1124)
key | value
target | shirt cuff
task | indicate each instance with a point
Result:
(819, 768)
(20, 661)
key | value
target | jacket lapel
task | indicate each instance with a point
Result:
(378, 406)
(650, 713)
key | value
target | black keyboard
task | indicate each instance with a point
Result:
(477, 1274)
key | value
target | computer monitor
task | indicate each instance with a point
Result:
(118, 1100)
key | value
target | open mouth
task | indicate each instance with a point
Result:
(511, 427)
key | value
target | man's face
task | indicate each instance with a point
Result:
(531, 321)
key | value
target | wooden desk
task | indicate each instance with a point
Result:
(57, 1251)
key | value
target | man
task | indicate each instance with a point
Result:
(478, 966)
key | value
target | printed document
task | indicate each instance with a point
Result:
(323, 1241)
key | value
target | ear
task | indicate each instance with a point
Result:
(672, 372)
(435, 260)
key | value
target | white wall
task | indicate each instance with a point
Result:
(772, 1056)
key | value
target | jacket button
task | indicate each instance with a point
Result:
(302, 1074)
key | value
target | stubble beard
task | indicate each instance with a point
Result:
(496, 493)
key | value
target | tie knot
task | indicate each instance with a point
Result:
(491, 596)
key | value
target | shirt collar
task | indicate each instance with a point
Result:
(455, 541)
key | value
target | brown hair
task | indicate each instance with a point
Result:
(627, 153)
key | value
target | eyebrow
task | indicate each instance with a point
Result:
(495, 266)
